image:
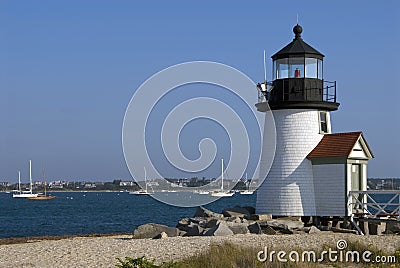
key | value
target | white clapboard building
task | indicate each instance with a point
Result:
(313, 169)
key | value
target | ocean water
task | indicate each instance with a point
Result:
(94, 212)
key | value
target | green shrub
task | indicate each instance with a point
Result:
(143, 262)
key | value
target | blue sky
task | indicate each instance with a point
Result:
(69, 68)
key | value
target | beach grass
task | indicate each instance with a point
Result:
(237, 256)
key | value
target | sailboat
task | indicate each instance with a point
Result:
(247, 191)
(222, 193)
(142, 192)
(45, 196)
(25, 194)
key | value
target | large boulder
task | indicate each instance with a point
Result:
(161, 235)
(238, 228)
(236, 212)
(220, 229)
(314, 230)
(151, 230)
(270, 231)
(345, 231)
(212, 222)
(194, 230)
(285, 224)
(260, 217)
(254, 228)
(202, 222)
(183, 224)
(205, 213)
(234, 219)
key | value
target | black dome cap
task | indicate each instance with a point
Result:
(297, 48)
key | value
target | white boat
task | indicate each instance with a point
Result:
(222, 193)
(41, 196)
(145, 191)
(25, 194)
(247, 191)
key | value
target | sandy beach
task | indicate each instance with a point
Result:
(103, 251)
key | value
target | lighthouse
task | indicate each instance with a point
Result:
(312, 169)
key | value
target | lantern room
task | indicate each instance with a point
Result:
(298, 78)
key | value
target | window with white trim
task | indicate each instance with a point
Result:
(323, 122)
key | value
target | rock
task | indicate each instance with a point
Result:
(255, 228)
(305, 229)
(260, 217)
(239, 228)
(340, 230)
(392, 227)
(211, 223)
(183, 224)
(287, 231)
(205, 213)
(289, 218)
(236, 212)
(199, 221)
(269, 231)
(205, 231)
(219, 230)
(264, 217)
(195, 230)
(251, 210)
(314, 230)
(228, 213)
(234, 219)
(181, 233)
(285, 224)
(151, 230)
(161, 235)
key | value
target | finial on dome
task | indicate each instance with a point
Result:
(297, 31)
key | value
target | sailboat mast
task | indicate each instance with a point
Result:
(19, 181)
(145, 179)
(44, 178)
(222, 174)
(30, 175)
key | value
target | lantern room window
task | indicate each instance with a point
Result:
(281, 69)
(297, 67)
(311, 68)
(320, 70)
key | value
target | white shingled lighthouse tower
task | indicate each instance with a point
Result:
(301, 100)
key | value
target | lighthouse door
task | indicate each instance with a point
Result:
(355, 177)
(356, 186)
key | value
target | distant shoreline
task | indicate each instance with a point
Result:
(77, 191)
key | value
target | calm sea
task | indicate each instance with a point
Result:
(94, 212)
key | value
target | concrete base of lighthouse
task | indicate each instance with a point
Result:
(288, 189)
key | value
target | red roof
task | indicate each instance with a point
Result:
(335, 145)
